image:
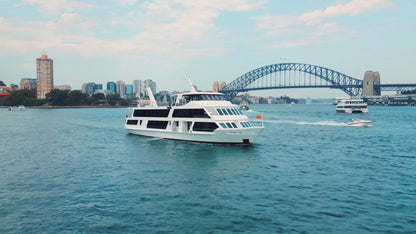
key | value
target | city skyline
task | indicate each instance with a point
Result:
(137, 89)
(102, 41)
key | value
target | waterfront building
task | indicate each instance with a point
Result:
(111, 88)
(392, 100)
(129, 91)
(121, 89)
(254, 100)
(44, 73)
(98, 86)
(164, 97)
(151, 84)
(4, 91)
(88, 88)
(137, 88)
(91, 88)
(28, 83)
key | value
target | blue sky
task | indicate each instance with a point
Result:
(216, 40)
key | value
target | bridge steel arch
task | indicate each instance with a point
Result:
(336, 80)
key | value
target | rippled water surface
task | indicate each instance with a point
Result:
(77, 170)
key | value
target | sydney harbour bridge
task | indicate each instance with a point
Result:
(300, 75)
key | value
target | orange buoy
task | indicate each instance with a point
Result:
(259, 117)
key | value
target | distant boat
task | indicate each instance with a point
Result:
(359, 123)
(351, 106)
(337, 100)
(244, 107)
(17, 108)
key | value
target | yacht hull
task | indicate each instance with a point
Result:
(236, 136)
(349, 111)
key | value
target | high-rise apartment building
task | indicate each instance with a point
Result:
(92, 88)
(111, 87)
(121, 88)
(151, 84)
(129, 91)
(44, 74)
(137, 88)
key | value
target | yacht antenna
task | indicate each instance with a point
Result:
(153, 102)
(193, 87)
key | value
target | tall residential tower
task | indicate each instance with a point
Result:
(44, 73)
(151, 84)
(137, 88)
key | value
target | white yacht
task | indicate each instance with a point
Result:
(349, 106)
(194, 116)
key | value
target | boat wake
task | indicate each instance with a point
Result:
(323, 123)
(320, 123)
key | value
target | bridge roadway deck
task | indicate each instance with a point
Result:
(383, 87)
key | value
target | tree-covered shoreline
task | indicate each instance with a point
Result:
(62, 98)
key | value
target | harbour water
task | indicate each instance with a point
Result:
(77, 170)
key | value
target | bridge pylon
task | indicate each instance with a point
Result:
(371, 84)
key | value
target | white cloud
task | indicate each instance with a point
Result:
(125, 2)
(231, 5)
(160, 28)
(307, 28)
(55, 7)
(312, 39)
(69, 18)
(355, 7)
(270, 21)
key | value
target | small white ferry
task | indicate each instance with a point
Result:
(194, 116)
(351, 106)
(17, 108)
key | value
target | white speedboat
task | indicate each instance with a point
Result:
(194, 116)
(244, 106)
(351, 106)
(17, 108)
(359, 123)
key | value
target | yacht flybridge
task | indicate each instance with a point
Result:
(194, 116)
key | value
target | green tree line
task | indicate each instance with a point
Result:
(59, 97)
